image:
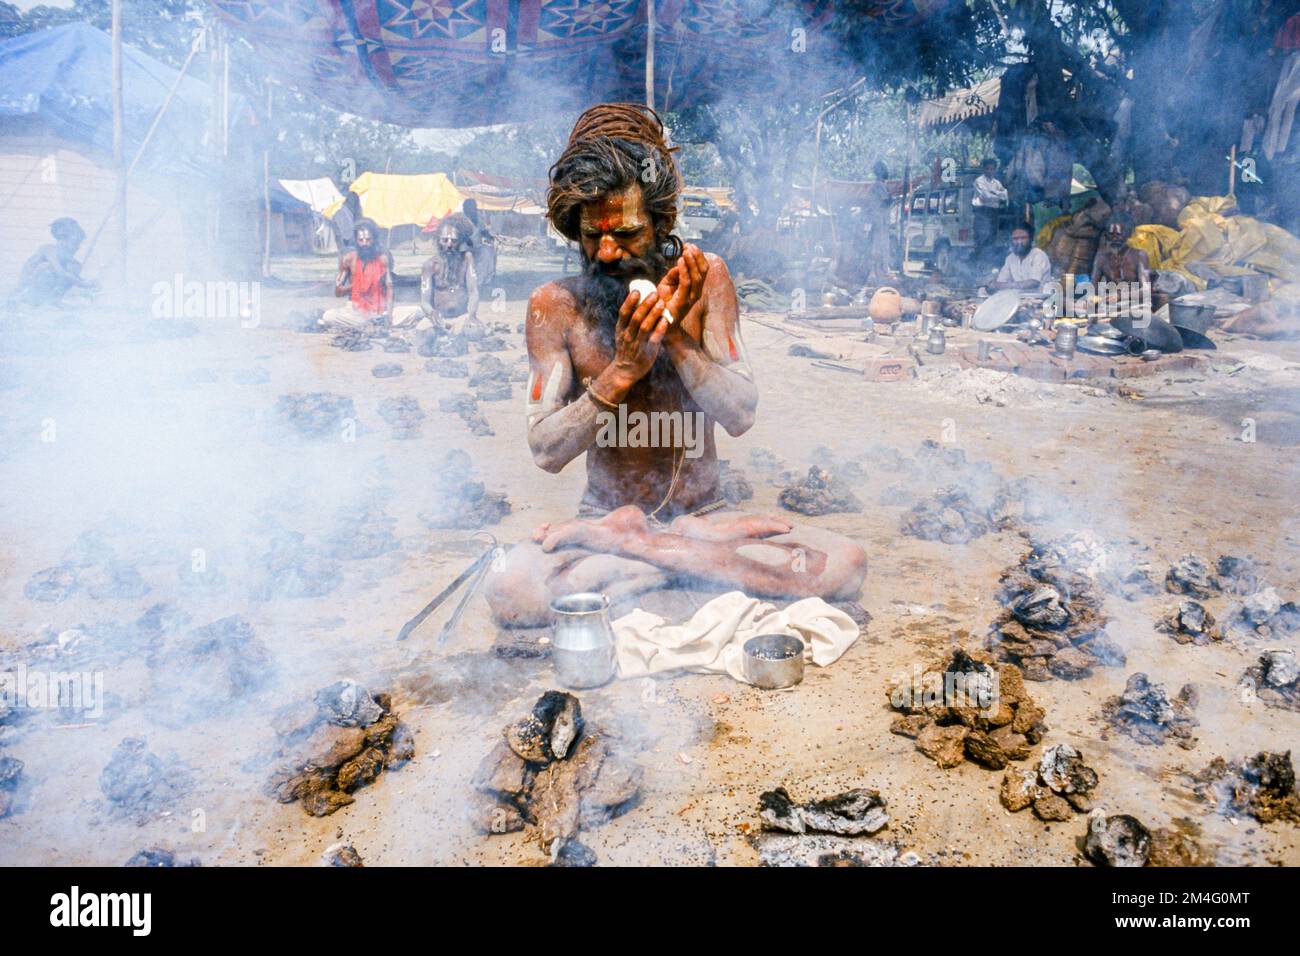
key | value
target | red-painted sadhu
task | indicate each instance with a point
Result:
(636, 384)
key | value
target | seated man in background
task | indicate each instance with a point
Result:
(366, 277)
(1116, 260)
(603, 357)
(53, 271)
(1026, 268)
(449, 280)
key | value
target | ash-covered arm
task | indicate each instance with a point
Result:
(715, 369)
(559, 429)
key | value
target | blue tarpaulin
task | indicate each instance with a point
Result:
(63, 77)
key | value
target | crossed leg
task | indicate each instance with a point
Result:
(622, 555)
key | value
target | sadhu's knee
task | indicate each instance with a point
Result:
(516, 590)
(849, 570)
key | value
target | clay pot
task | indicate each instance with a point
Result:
(886, 305)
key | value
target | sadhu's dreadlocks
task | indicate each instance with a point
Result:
(614, 146)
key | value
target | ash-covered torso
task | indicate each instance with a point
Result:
(1120, 265)
(636, 465)
(445, 277)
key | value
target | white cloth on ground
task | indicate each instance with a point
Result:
(345, 317)
(711, 642)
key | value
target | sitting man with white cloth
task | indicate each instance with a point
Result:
(1027, 268)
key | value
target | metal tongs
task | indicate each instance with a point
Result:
(474, 573)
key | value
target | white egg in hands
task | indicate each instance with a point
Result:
(645, 287)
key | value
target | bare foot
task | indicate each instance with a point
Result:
(731, 527)
(604, 535)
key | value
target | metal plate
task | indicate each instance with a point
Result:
(996, 311)
(1100, 345)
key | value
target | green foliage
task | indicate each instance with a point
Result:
(523, 151)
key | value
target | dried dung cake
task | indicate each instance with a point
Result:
(404, 415)
(460, 501)
(1057, 788)
(314, 415)
(1190, 623)
(819, 493)
(330, 747)
(1275, 679)
(552, 771)
(968, 707)
(1262, 786)
(852, 813)
(1145, 713)
(1052, 624)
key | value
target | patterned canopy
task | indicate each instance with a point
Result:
(448, 63)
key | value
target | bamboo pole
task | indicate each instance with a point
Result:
(144, 144)
(266, 186)
(905, 210)
(119, 147)
(650, 54)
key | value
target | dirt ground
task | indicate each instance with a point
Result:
(1169, 469)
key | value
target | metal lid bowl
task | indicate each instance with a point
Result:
(773, 661)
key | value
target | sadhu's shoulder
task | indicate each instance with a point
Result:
(718, 271)
(552, 300)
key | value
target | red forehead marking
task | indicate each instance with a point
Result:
(537, 388)
(731, 347)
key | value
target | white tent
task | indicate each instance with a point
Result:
(317, 193)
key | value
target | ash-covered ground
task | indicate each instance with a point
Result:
(218, 556)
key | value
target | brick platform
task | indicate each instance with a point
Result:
(1041, 363)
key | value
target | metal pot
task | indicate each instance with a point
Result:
(1251, 288)
(582, 640)
(1067, 336)
(773, 661)
(1195, 318)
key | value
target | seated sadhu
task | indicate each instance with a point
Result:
(53, 271)
(449, 289)
(636, 383)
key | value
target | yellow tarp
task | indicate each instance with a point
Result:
(1049, 229)
(1158, 243)
(392, 200)
(1220, 243)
